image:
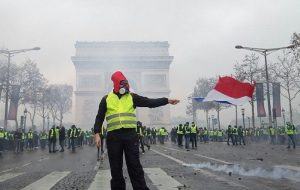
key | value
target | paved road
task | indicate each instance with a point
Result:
(213, 166)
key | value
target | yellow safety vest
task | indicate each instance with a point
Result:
(30, 135)
(194, 129)
(2, 135)
(120, 112)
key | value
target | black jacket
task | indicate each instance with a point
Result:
(138, 101)
(62, 133)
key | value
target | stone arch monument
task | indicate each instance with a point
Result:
(145, 64)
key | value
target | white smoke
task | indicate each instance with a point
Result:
(276, 172)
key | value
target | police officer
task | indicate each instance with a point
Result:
(52, 139)
(290, 131)
(73, 136)
(118, 107)
(179, 134)
(2, 138)
(194, 133)
(187, 133)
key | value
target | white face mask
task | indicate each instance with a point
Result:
(122, 91)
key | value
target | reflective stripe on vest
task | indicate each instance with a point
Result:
(120, 112)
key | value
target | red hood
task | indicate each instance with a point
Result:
(117, 77)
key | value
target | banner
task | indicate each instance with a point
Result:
(261, 112)
(14, 99)
(276, 100)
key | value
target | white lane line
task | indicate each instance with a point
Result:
(6, 170)
(42, 159)
(47, 182)
(289, 167)
(18, 167)
(200, 155)
(204, 172)
(101, 180)
(161, 180)
(9, 176)
(215, 159)
(25, 164)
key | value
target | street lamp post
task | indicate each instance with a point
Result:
(25, 116)
(48, 118)
(9, 54)
(265, 52)
(249, 122)
(283, 115)
(208, 127)
(212, 122)
(243, 114)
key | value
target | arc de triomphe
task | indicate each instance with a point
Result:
(145, 64)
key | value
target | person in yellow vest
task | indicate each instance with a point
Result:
(30, 139)
(73, 137)
(290, 131)
(2, 139)
(194, 133)
(52, 139)
(272, 134)
(43, 139)
(118, 107)
(179, 131)
(162, 135)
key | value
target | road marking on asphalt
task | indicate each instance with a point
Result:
(161, 180)
(204, 172)
(101, 180)
(289, 167)
(42, 159)
(200, 155)
(8, 170)
(215, 159)
(48, 181)
(25, 165)
(9, 176)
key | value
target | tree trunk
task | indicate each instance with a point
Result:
(236, 116)
(207, 122)
(218, 116)
(290, 105)
(252, 109)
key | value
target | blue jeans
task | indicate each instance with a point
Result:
(291, 139)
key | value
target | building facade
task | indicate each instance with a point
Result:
(145, 64)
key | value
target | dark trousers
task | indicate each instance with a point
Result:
(194, 140)
(125, 141)
(73, 144)
(102, 145)
(291, 140)
(43, 144)
(62, 144)
(242, 139)
(230, 137)
(52, 144)
(187, 141)
(30, 142)
(179, 138)
(1, 144)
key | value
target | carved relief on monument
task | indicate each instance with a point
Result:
(90, 82)
(155, 81)
(156, 116)
(89, 110)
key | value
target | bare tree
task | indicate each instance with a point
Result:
(249, 71)
(219, 107)
(203, 86)
(33, 82)
(287, 72)
(61, 100)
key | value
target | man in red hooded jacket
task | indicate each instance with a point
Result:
(118, 107)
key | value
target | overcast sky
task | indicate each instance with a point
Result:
(202, 33)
